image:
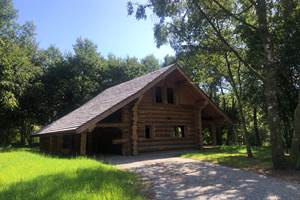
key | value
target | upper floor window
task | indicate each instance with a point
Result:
(170, 95)
(158, 95)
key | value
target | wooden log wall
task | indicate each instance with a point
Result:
(164, 117)
(54, 144)
(126, 119)
(45, 143)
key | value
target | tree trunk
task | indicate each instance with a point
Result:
(23, 133)
(240, 107)
(255, 125)
(245, 130)
(295, 150)
(270, 84)
(274, 121)
(4, 138)
(28, 132)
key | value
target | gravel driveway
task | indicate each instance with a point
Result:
(171, 177)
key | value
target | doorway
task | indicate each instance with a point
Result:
(100, 141)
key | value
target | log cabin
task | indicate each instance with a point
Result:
(162, 110)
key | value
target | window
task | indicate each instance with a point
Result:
(178, 131)
(67, 141)
(170, 95)
(158, 95)
(147, 131)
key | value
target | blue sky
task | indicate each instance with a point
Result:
(105, 22)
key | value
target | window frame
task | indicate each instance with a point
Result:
(161, 95)
(182, 133)
(172, 93)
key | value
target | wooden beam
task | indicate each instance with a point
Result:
(200, 129)
(201, 104)
(214, 133)
(91, 128)
(198, 124)
(217, 122)
(134, 135)
(83, 143)
(50, 144)
(113, 125)
(120, 141)
(200, 91)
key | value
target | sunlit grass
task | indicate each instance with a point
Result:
(30, 175)
(235, 156)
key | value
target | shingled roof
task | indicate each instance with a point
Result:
(107, 102)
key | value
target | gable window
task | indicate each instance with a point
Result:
(170, 95)
(148, 131)
(178, 132)
(158, 95)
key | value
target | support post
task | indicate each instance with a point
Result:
(200, 105)
(50, 144)
(198, 124)
(200, 129)
(83, 143)
(214, 134)
(134, 135)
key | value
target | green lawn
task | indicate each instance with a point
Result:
(25, 174)
(235, 156)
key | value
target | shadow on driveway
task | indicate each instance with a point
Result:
(172, 177)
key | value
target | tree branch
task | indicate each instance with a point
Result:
(234, 16)
(220, 36)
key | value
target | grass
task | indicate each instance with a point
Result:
(25, 174)
(235, 156)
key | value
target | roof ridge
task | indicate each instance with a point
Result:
(162, 68)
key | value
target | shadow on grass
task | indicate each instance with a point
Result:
(21, 148)
(235, 156)
(82, 184)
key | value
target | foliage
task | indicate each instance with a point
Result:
(18, 71)
(257, 39)
(37, 86)
(30, 175)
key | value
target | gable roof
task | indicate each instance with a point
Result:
(108, 101)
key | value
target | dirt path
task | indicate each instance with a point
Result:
(172, 177)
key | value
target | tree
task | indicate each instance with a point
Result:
(150, 63)
(295, 153)
(38, 85)
(168, 60)
(8, 15)
(71, 80)
(247, 29)
(18, 69)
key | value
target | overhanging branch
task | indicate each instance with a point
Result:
(220, 36)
